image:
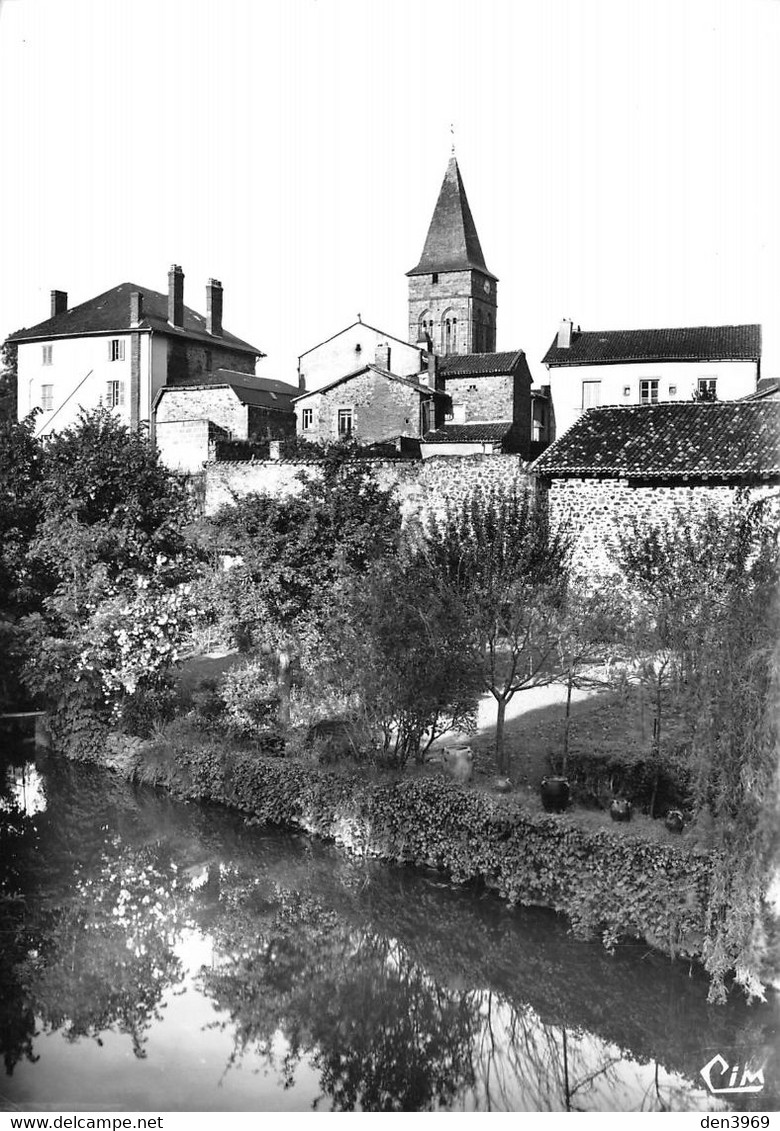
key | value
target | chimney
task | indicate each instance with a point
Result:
(136, 307)
(564, 334)
(214, 307)
(176, 296)
(59, 302)
(382, 356)
(433, 369)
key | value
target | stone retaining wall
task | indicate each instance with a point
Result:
(424, 487)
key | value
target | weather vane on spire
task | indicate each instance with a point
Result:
(452, 131)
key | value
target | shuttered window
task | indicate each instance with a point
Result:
(115, 393)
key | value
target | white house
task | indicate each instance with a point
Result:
(635, 367)
(352, 348)
(119, 349)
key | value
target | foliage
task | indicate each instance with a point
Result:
(707, 620)
(112, 605)
(591, 630)
(402, 649)
(21, 474)
(497, 558)
(9, 379)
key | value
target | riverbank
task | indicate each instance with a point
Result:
(610, 883)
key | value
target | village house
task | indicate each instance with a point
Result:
(645, 461)
(646, 367)
(120, 349)
(225, 405)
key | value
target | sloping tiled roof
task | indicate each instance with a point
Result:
(686, 343)
(275, 389)
(247, 394)
(668, 441)
(452, 243)
(768, 389)
(110, 313)
(479, 364)
(469, 433)
(408, 381)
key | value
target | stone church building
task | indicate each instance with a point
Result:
(447, 389)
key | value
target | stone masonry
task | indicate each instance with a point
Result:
(594, 511)
(424, 487)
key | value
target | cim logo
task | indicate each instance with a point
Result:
(740, 1078)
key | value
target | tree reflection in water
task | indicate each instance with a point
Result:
(399, 991)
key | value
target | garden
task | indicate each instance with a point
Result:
(312, 660)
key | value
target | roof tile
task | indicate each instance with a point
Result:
(668, 441)
(685, 343)
(110, 313)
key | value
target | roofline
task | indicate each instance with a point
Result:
(644, 361)
(375, 369)
(174, 332)
(577, 472)
(368, 326)
(452, 271)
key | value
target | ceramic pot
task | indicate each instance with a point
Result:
(555, 794)
(620, 809)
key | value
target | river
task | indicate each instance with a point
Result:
(168, 957)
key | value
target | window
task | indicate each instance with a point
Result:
(706, 389)
(672, 390)
(47, 351)
(307, 417)
(345, 422)
(116, 349)
(435, 277)
(115, 394)
(626, 390)
(47, 397)
(648, 391)
(591, 394)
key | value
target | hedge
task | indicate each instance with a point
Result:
(608, 885)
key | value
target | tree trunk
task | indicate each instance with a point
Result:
(284, 681)
(502, 758)
(567, 722)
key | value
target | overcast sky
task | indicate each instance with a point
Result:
(621, 158)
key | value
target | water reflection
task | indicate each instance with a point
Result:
(153, 937)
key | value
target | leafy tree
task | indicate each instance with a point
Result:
(293, 553)
(111, 560)
(402, 649)
(591, 631)
(498, 560)
(706, 602)
(9, 379)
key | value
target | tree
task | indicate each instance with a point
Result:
(401, 649)
(110, 557)
(9, 379)
(706, 594)
(590, 632)
(293, 553)
(498, 559)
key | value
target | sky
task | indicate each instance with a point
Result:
(620, 157)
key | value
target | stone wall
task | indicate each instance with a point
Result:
(424, 487)
(184, 444)
(381, 408)
(595, 510)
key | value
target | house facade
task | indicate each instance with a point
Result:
(352, 348)
(372, 405)
(645, 367)
(119, 350)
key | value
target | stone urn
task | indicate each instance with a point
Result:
(620, 809)
(674, 821)
(555, 794)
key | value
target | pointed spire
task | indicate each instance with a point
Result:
(452, 243)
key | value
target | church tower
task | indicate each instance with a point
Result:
(452, 295)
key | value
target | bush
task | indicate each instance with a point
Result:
(643, 778)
